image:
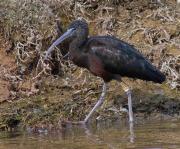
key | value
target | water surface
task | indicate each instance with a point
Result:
(145, 135)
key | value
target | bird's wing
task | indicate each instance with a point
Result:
(119, 57)
(115, 54)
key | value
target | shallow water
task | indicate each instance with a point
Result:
(145, 135)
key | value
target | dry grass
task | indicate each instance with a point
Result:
(31, 26)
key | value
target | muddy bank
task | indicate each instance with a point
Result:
(57, 103)
(32, 94)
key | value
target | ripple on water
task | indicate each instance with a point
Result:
(145, 135)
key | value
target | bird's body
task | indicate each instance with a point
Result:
(107, 57)
(111, 58)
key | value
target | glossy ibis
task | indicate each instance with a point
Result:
(107, 57)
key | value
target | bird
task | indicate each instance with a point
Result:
(107, 57)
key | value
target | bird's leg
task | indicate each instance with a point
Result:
(100, 101)
(128, 92)
(131, 130)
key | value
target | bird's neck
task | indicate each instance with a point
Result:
(77, 42)
(75, 49)
(76, 52)
(76, 45)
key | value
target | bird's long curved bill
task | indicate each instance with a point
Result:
(66, 35)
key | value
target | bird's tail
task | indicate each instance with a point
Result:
(155, 75)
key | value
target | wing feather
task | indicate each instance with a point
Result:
(119, 57)
(116, 55)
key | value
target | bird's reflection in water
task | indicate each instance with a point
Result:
(95, 132)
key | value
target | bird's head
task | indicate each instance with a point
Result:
(77, 29)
